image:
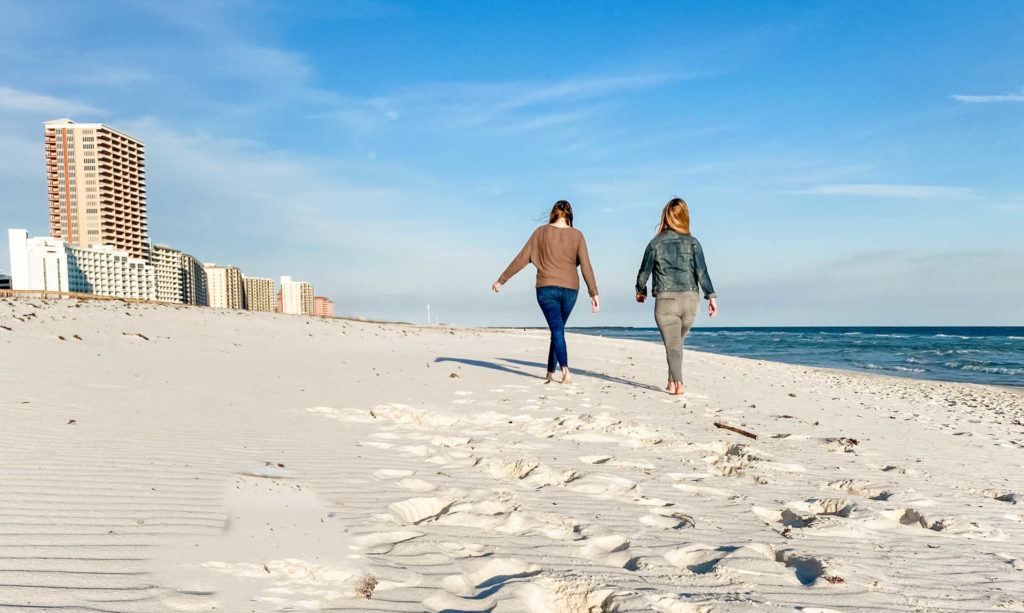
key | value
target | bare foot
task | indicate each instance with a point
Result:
(671, 387)
(549, 378)
(678, 391)
(566, 377)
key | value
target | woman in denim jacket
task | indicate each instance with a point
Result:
(676, 260)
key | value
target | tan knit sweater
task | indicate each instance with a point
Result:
(556, 252)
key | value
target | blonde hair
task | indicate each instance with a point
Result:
(675, 216)
(561, 209)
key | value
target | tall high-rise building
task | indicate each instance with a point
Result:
(96, 179)
(296, 297)
(323, 306)
(193, 281)
(224, 287)
(259, 294)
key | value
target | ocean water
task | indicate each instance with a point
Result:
(992, 355)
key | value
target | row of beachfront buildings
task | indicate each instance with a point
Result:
(99, 236)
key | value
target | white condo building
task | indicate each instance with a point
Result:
(296, 297)
(180, 278)
(193, 281)
(50, 264)
(37, 263)
(169, 273)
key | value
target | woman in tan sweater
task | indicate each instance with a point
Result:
(556, 249)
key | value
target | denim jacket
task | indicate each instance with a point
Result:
(677, 262)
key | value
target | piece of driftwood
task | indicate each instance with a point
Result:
(719, 424)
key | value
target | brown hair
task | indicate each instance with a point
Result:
(675, 216)
(561, 209)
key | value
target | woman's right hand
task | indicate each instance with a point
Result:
(496, 287)
(640, 297)
(712, 306)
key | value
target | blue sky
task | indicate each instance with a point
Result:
(845, 163)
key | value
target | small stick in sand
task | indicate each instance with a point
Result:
(719, 424)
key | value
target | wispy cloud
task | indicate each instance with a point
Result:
(1018, 97)
(579, 89)
(18, 100)
(509, 105)
(888, 190)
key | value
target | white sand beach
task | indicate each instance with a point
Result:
(160, 458)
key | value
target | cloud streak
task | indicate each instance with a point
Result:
(888, 190)
(509, 105)
(22, 101)
(991, 98)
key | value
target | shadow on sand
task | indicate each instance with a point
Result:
(543, 367)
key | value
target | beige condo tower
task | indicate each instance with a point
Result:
(96, 179)
(259, 294)
(224, 287)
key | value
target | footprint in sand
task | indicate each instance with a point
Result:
(528, 472)
(670, 603)
(490, 573)
(384, 542)
(610, 550)
(753, 562)
(545, 594)
(862, 488)
(417, 485)
(913, 517)
(601, 484)
(705, 490)
(417, 510)
(499, 513)
(474, 591)
(666, 518)
(804, 513)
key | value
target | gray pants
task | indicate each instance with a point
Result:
(675, 312)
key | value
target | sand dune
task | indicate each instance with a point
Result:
(181, 459)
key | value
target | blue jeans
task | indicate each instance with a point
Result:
(557, 303)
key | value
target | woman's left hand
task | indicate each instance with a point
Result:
(496, 287)
(712, 307)
(595, 303)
